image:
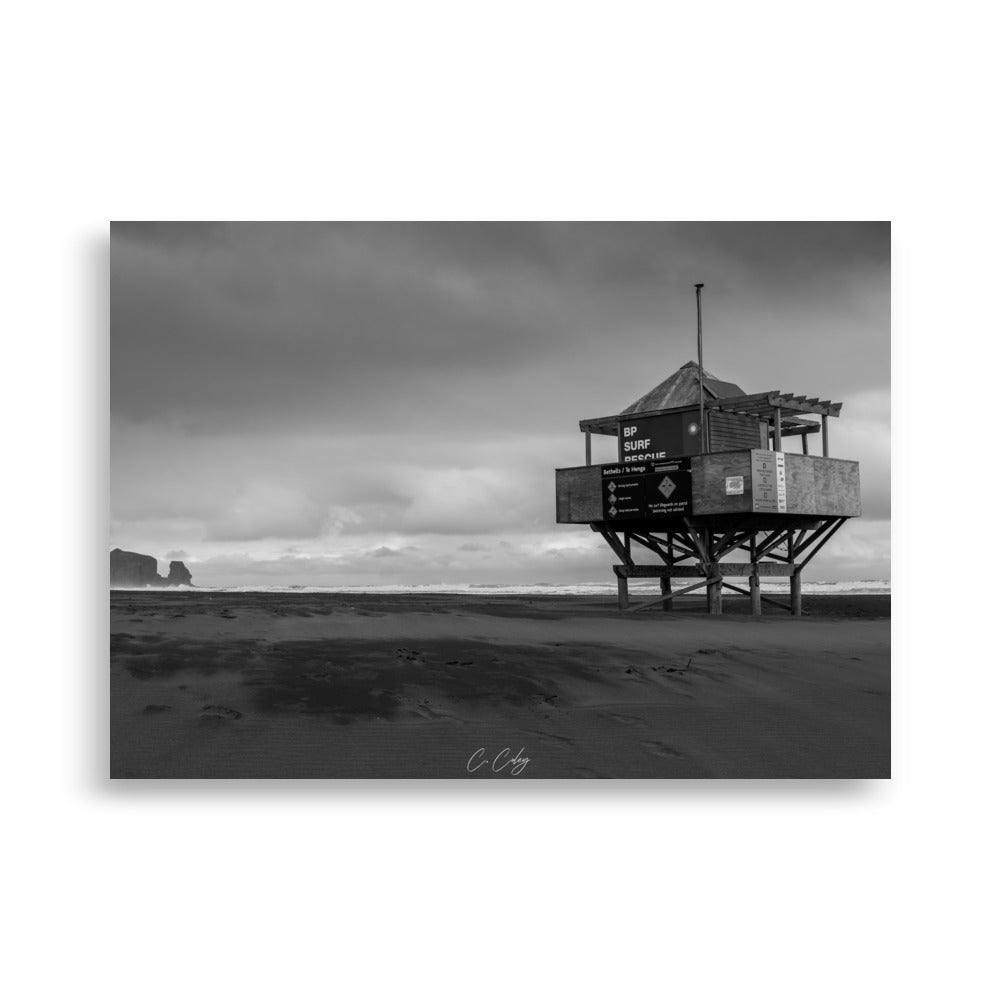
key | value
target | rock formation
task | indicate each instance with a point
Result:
(179, 574)
(132, 569)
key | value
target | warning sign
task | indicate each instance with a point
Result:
(646, 489)
(767, 480)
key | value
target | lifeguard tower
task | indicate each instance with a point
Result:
(703, 483)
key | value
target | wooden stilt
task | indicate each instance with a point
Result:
(588, 447)
(755, 608)
(668, 558)
(796, 582)
(715, 591)
(706, 544)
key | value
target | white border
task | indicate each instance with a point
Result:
(724, 111)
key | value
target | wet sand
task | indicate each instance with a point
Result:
(338, 686)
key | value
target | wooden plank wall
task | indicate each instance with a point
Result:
(730, 431)
(578, 495)
(836, 484)
(828, 487)
(708, 483)
(813, 484)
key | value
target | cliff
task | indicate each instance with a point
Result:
(132, 569)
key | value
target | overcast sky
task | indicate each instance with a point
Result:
(350, 404)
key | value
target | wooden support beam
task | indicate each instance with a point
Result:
(766, 600)
(665, 584)
(796, 593)
(777, 428)
(616, 546)
(677, 593)
(803, 546)
(686, 551)
(623, 593)
(587, 439)
(755, 608)
(696, 541)
(834, 528)
(643, 571)
(734, 544)
(715, 593)
(795, 589)
(719, 548)
(770, 542)
(740, 542)
(651, 543)
(805, 444)
(826, 439)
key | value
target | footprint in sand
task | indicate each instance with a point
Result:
(660, 749)
(550, 739)
(424, 711)
(156, 709)
(220, 713)
(625, 720)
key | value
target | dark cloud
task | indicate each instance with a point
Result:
(322, 382)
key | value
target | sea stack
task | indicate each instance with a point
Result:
(133, 569)
(179, 574)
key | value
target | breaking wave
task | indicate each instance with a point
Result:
(768, 585)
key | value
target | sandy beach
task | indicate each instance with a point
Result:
(334, 686)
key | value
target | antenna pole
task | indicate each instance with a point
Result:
(701, 373)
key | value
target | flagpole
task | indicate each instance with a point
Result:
(701, 373)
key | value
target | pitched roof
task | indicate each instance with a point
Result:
(681, 389)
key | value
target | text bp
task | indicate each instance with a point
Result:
(636, 444)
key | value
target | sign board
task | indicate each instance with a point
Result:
(635, 491)
(734, 486)
(652, 439)
(767, 480)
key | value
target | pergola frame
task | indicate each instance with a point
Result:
(771, 407)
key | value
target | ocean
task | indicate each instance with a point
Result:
(768, 585)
